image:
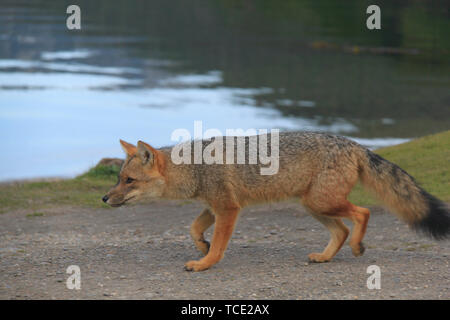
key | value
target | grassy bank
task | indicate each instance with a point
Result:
(427, 159)
(84, 190)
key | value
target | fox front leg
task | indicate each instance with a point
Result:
(224, 225)
(198, 227)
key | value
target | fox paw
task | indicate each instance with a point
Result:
(318, 258)
(203, 246)
(358, 249)
(195, 266)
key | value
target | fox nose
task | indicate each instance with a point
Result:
(105, 198)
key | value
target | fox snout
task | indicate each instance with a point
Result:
(115, 198)
(112, 203)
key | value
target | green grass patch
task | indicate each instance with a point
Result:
(35, 214)
(427, 159)
(84, 190)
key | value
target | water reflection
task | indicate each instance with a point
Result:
(66, 98)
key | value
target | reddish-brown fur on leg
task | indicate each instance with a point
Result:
(360, 217)
(357, 215)
(225, 219)
(339, 233)
(198, 227)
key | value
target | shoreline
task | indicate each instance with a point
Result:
(425, 158)
(370, 143)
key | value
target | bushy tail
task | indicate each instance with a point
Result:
(399, 191)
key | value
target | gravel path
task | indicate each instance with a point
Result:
(139, 252)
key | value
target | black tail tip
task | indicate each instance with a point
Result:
(436, 223)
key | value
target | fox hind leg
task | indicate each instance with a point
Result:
(198, 227)
(357, 215)
(333, 204)
(360, 217)
(339, 233)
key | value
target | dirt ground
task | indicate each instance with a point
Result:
(139, 252)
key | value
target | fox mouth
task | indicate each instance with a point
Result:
(115, 205)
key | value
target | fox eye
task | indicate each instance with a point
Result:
(129, 180)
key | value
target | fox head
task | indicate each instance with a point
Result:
(141, 176)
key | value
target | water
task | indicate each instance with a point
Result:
(140, 70)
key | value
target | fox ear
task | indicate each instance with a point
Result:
(129, 149)
(146, 152)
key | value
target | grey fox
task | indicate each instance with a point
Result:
(317, 168)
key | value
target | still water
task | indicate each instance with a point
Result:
(141, 69)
